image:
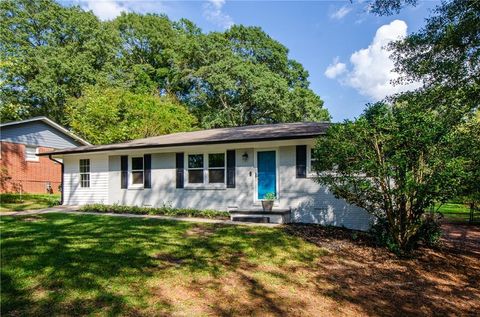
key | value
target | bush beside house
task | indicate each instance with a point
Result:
(165, 211)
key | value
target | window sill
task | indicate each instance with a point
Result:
(205, 186)
(135, 187)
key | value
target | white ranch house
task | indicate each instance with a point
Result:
(223, 169)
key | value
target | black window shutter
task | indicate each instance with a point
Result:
(124, 173)
(231, 169)
(179, 165)
(147, 166)
(301, 161)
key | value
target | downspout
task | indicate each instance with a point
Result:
(61, 164)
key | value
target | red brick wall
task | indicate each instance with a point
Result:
(29, 176)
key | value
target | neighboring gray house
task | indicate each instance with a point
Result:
(22, 170)
(224, 169)
(40, 132)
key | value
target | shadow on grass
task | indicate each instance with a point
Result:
(75, 265)
(48, 263)
(59, 264)
(435, 282)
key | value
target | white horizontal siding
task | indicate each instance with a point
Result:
(309, 202)
(98, 190)
(312, 203)
(164, 191)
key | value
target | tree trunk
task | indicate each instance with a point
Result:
(472, 209)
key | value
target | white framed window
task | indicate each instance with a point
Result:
(31, 153)
(206, 168)
(137, 171)
(84, 168)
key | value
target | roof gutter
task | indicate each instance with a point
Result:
(149, 146)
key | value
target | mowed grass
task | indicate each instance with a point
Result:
(454, 212)
(17, 202)
(75, 265)
(97, 265)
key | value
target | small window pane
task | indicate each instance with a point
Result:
(195, 176)
(30, 152)
(216, 160)
(84, 180)
(216, 176)
(195, 161)
(85, 166)
(137, 163)
(137, 177)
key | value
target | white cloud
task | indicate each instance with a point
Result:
(104, 9)
(372, 72)
(340, 13)
(110, 9)
(335, 69)
(212, 10)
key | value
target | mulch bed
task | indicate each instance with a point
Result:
(444, 281)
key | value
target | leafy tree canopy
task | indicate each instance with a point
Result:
(467, 145)
(394, 161)
(389, 7)
(446, 51)
(237, 77)
(400, 157)
(110, 115)
(49, 53)
(245, 77)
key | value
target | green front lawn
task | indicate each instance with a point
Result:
(17, 202)
(96, 265)
(454, 212)
(58, 264)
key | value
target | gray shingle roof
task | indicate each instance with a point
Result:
(266, 132)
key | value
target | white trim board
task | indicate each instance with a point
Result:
(201, 148)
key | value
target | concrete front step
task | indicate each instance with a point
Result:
(260, 216)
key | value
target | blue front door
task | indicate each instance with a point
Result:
(267, 174)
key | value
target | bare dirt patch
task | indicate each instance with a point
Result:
(258, 292)
(353, 278)
(32, 218)
(168, 258)
(443, 281)
(201, 230)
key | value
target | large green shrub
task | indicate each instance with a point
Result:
(429, 234)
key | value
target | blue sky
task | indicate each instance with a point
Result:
(339, 42)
